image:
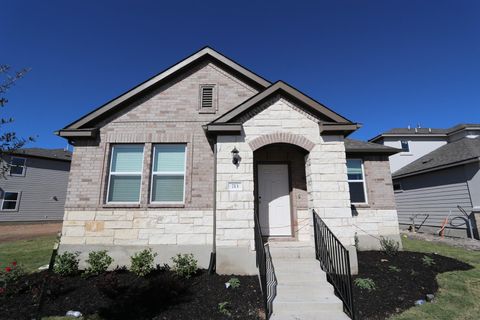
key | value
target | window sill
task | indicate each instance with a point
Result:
(166, 205)
(207, 111)
(121, 205)
(360, 205)
(406, 154)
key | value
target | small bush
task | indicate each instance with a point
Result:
(142, 262)
(223, 308)
(428, 261)
(8, 274)
(98, 262)
(394, 269)
(389, 246)
(66, 263)
(365, 284)
(234, 282)
(184, 265)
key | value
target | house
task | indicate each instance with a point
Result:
(34, 187)
(444, 177)
(186, 160)
(417, 142)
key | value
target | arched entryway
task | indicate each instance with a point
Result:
(281, 198)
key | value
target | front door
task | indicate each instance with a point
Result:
(274, 200)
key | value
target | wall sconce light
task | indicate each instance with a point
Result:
(235, 156)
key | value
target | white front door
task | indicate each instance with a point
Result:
(274, 200)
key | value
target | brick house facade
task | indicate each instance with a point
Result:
(269, 124)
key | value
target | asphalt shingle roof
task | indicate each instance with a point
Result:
(352, 145)
(448, 154)
(58, 154)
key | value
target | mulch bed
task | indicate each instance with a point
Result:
(400, 281)
(122, 295)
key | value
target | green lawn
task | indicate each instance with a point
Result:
(30, 254)
(459, 293)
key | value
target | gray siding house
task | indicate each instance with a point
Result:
(430, 189)
(35, 186)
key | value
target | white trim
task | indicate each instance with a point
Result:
(169, 173)
(358, 181)
(17, 202)
(24, 167)
(124, 173)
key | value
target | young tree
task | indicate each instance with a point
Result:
(9, 141)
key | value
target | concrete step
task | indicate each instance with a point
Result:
(288, 277)
(294, 252)
(317, 315)
(297, 293)
(307, 306)
(290, 244)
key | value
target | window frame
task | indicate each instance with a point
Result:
(407, 144)
(400, 189)
(167, 173)
(24, 167)
(17, 202)
(203, 109)
(363, 181)
(112, 148)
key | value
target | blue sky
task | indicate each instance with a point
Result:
(381, 63)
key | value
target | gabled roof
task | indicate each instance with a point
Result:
(358, 146)
(425, 132)
(330, 120)
(87, 122)
(451, 154)
(56, 154)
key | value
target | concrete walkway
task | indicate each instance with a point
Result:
(303, 291)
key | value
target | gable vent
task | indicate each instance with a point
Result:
(207, 97)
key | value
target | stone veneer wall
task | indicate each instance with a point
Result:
(378, 218)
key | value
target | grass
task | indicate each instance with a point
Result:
(458, 296)
(30, 254)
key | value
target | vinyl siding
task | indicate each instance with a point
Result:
(44, 179)
(436, 193)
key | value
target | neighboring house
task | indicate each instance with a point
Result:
(429, 189)
(184, 161)
(417, 142)
(35, 185)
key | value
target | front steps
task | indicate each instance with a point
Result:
(303, 291)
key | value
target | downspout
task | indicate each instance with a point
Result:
(213, 256)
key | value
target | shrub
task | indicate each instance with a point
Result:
(66, 263)
(9, 274)
(389, 246)
(428, 261)
(223, 308)
(184, 265)
(234, 282)
(142, 262)
(98, 262)
(365, 284)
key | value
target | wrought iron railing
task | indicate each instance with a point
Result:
(335, 261)
(268, 281)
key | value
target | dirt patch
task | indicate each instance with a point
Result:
(399, 280)
(122, 295)
(23, 231)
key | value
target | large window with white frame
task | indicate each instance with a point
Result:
(10, 201)
(18, 166)
(356, 181)
(168, 173)
(125, 175)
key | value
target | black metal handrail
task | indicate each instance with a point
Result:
(335, 261)
(268, 280)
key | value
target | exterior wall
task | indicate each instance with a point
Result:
(473, 171)
(43, 190)
(169, 114)
(435, 193)
(419, 147)
(377, 218)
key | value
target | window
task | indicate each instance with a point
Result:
(168, 174)
(397, 187)
(125, 178)
(10, 201)
(405, 147)
(17, 166)
(356, 181)
(207, 98)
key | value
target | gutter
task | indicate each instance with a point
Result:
(213, 256)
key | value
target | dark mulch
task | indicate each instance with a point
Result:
(396, 290)
(122, 295)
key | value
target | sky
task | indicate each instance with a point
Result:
(381, 63)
